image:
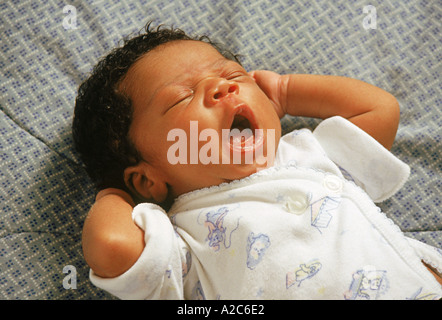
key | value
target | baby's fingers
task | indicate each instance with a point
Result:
(269, 83)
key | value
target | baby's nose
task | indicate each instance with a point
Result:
(220, 90)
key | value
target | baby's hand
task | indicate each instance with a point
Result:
(270, 83)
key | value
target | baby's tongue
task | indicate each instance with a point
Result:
(238, 136)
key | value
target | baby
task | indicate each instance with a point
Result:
(253, 215)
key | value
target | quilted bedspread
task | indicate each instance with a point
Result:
(48, 47)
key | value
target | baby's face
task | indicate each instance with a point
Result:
(184, 91)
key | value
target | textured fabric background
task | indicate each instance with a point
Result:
(44, 191)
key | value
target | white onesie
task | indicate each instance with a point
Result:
(306, 228)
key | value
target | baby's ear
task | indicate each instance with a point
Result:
(142, 180)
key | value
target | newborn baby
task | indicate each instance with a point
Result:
(201, 197)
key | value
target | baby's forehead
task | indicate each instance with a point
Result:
(179, 51)
(184, 58)
(198, 53)
(186, 47)
(179, 62)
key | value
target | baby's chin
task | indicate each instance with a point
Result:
(224, 171)
(241, 171)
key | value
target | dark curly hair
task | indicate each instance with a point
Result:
(103, 114)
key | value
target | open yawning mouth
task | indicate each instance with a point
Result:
(244, 134)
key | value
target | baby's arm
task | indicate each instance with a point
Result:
(320, 96)
(112, 242)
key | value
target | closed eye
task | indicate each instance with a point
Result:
(180, 99)
(233, 70)
(236, 75)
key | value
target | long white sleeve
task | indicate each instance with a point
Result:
(369, 164)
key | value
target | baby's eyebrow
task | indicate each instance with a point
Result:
(221, 63)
